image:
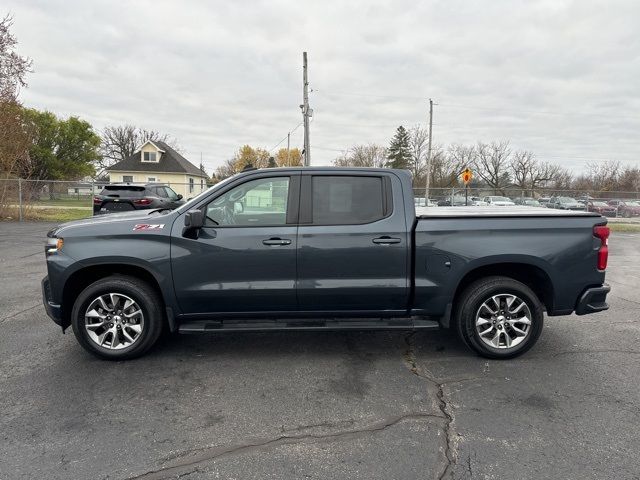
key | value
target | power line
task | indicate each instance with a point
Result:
(348, 94)
(285, 137)
(330, 149)
(474, 107)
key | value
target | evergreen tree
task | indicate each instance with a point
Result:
(399, 153)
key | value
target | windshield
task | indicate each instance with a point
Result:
(499, 199)
(195, 200)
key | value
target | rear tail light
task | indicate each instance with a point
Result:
(142, 201)
(97, 200)
(602, 232)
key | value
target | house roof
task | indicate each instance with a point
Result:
(170, 162)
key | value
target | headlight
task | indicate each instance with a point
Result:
(53, 245)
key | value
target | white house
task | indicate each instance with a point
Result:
(158, 162)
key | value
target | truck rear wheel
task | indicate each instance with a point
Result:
(117, 317)
(499, 317)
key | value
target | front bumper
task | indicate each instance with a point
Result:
(54, 311)
(593, 300)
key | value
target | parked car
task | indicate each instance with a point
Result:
(526, 201)
(626, 208)
(458, 201)
(478, 202)
(603, 208)
(565, 203)
(334, 248)
(125, 197)
(544, 201)
(420, 202)
(498, 201)
(584, 199)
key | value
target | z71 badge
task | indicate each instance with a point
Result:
(147, 226)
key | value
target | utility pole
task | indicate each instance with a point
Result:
(428, 169)
(306, 111)
(288, 154)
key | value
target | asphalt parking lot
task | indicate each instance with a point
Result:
(318, 405)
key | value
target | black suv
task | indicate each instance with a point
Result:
(125, 197)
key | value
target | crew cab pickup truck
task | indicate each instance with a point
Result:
(323, 248)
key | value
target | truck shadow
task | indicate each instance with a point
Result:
(281, 344)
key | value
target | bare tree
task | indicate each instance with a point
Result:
(447, 166)
(629, 180)
(120, 142)
(370, 155)
(227, 169)
(13, 67)
(562, 180)
(491, 162)
(604, 175)
(418, 147)
(530, 174)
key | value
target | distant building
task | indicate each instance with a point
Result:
(158, 162)
(85, 188)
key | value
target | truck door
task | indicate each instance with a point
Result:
(244, 258)
(352, 243)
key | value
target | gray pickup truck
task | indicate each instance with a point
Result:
(317, 249)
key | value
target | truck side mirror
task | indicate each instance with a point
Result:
(194, 219)
(179, 197)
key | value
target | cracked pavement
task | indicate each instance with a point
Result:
(318, 405)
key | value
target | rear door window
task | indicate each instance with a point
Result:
(344, 200)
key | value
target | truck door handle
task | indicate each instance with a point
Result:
(276, 241)
(386, 240)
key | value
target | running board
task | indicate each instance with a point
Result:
(204, 326)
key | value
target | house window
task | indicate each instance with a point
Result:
(152, 179)
(191, 182)
(127, 178)
(149, 157)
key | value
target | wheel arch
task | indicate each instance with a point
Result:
(85, 276)
(533, 276)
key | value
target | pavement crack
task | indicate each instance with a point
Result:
(31, 254)
(189, 461)
(3, 319)
(612, 350)
(450, 446)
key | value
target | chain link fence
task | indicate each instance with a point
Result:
(610, 203)
(57, 201)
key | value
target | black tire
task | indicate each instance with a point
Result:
(470, 301)
(142, 293)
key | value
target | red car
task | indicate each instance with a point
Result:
(602, 208)
(626, 208)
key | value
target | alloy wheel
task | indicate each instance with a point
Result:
(503, 321)
(114, 321)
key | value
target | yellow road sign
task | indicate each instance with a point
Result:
(467, 175)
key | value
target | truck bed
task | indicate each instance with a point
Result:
(492, 212)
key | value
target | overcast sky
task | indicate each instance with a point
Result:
(561, 78)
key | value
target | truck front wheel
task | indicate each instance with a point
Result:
(117, 317)
(499, 317)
